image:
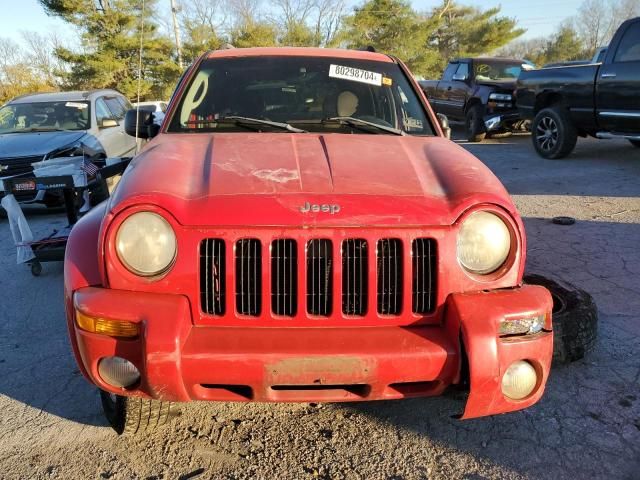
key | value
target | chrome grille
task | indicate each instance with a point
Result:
(319, 277)
(212, 276)
(284, 277)
(389, 274)
(423, 255)
(354, 276)
(248, 256)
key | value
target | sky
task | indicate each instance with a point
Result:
(540, 18)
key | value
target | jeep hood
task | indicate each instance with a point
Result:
(239, 179)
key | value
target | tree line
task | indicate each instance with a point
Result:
(110, 33)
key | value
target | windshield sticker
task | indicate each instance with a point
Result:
(81, 106)
(355, 75)
(387, 81)
(411, 123)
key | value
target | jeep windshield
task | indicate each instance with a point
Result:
(44, 117)
(300, 94)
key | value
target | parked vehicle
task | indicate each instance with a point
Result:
(299, 229)
(159, 109)
(43, 126)
(478, 91)
(599, 100)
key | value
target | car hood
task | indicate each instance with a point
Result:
(33, 144)
(269, 178)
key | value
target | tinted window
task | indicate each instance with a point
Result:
(629, 49)
(126, 104)
(43, 116)
(449, 71)
(102, 111)
(463, 70)
(116, 107)
(304, 91)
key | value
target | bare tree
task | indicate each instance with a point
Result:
(597, 20)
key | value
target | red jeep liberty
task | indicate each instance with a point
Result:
(300, 230)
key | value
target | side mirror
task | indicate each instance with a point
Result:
(141, 122)
(444, 125)
(460, 77)
(107, 123)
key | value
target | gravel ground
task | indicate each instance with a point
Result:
(586, 426)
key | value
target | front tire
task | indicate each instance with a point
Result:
(635, 143)
(553, 134)
(574, 317)
(134, 415)
(474, 125)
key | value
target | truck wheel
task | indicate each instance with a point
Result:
(474, 125)
(134, 415)
(575, 320)
(635, 143)
(553, 134)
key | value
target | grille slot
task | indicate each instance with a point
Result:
(354, 276)
(212, 276)
(423, 255)
(284, 277)
(248, 258)
(389, 271)
(319, 277)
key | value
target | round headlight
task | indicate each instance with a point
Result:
(146, 244)
(484, 243)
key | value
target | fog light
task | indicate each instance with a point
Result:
(519, 380)
(105, 326)
(522, 326)
(118, 372)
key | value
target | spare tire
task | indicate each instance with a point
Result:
(575, 319)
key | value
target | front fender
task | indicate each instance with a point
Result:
(82, 265)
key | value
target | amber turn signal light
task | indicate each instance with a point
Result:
(105, 326)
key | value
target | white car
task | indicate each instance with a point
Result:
(160, 108)
(39, 127)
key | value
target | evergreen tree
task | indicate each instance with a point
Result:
(110, 36)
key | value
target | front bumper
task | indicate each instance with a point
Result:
(501, 120)
(179, 361)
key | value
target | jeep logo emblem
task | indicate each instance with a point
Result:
(316, 207)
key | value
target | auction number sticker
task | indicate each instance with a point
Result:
(355, 75)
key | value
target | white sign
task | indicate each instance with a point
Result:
(355, 75)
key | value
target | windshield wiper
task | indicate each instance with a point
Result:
(248, 120)
(359, 123)
(37, 129)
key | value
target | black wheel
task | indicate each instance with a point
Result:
(134, 415)
(575, 319)
(474, 124)
(635, 143)
(553, 134)
(36, 268)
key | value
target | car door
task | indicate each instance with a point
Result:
(124, 144)
(618, 83)
(459, 90)
(440, 100)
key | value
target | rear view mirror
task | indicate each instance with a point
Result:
(460, 77)
(444, 125)
(140, 123)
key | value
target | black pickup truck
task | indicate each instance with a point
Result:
(601, 100)
(478, 91)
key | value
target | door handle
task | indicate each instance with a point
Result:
(608, 75)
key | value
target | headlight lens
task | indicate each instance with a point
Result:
(146, 244)
(484, 243)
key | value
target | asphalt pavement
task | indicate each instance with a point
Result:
(586, 426)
